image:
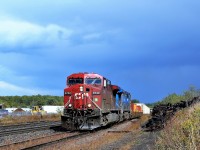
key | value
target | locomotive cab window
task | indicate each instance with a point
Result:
(73, 81)
(93, 81)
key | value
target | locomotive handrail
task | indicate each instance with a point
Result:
(89, 99)
(67, 102)
(94, 103)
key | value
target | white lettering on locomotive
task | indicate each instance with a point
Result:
(80, 95)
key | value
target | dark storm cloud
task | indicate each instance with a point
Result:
(150, 48)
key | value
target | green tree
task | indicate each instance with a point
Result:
(192, 92)
(135, 101)
(51, 101)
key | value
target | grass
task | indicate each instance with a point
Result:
(182, 131)
(8, 120)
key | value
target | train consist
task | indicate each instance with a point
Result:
(91, 101)
(163, 112)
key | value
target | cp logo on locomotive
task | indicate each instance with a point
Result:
(79, 95)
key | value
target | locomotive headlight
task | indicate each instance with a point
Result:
(70, 105)
(95, 99)
(89, 105)
(81, 88)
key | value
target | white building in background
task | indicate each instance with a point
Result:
(48, 109)
(26, 109)
(145, 108)
(53, 109)
(10, 110)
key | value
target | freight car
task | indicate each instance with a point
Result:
(91, 101)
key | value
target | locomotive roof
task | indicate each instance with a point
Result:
(119, 89)
(82, 74)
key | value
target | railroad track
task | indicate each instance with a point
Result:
(20, 145)
(23, 128)
(64, 139)
(56, 138)
(80, 135)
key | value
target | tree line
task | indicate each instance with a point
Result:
(29, 101)
(40, 100)
(175, 98)
(34, 100)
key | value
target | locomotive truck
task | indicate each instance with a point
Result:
(91, 101)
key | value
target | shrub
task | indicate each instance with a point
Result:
(182, 131)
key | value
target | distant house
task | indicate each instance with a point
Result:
(3, 112)
(26, 109)
(53, 109)
(10, 110)
(19, 111)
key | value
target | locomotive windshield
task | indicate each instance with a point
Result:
(73, 81)
(93, 81)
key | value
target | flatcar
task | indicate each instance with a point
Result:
(91, 101)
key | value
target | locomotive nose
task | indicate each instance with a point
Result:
(79, 97)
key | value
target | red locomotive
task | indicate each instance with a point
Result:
(91, 101)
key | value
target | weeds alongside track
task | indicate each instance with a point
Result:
(164, 112)
(9, 120)
(180, 123)
(181, 132)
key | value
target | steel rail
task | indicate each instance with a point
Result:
(4, 127)
(32, 127)
(35, 147)
(75, 136)
(30, 140)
